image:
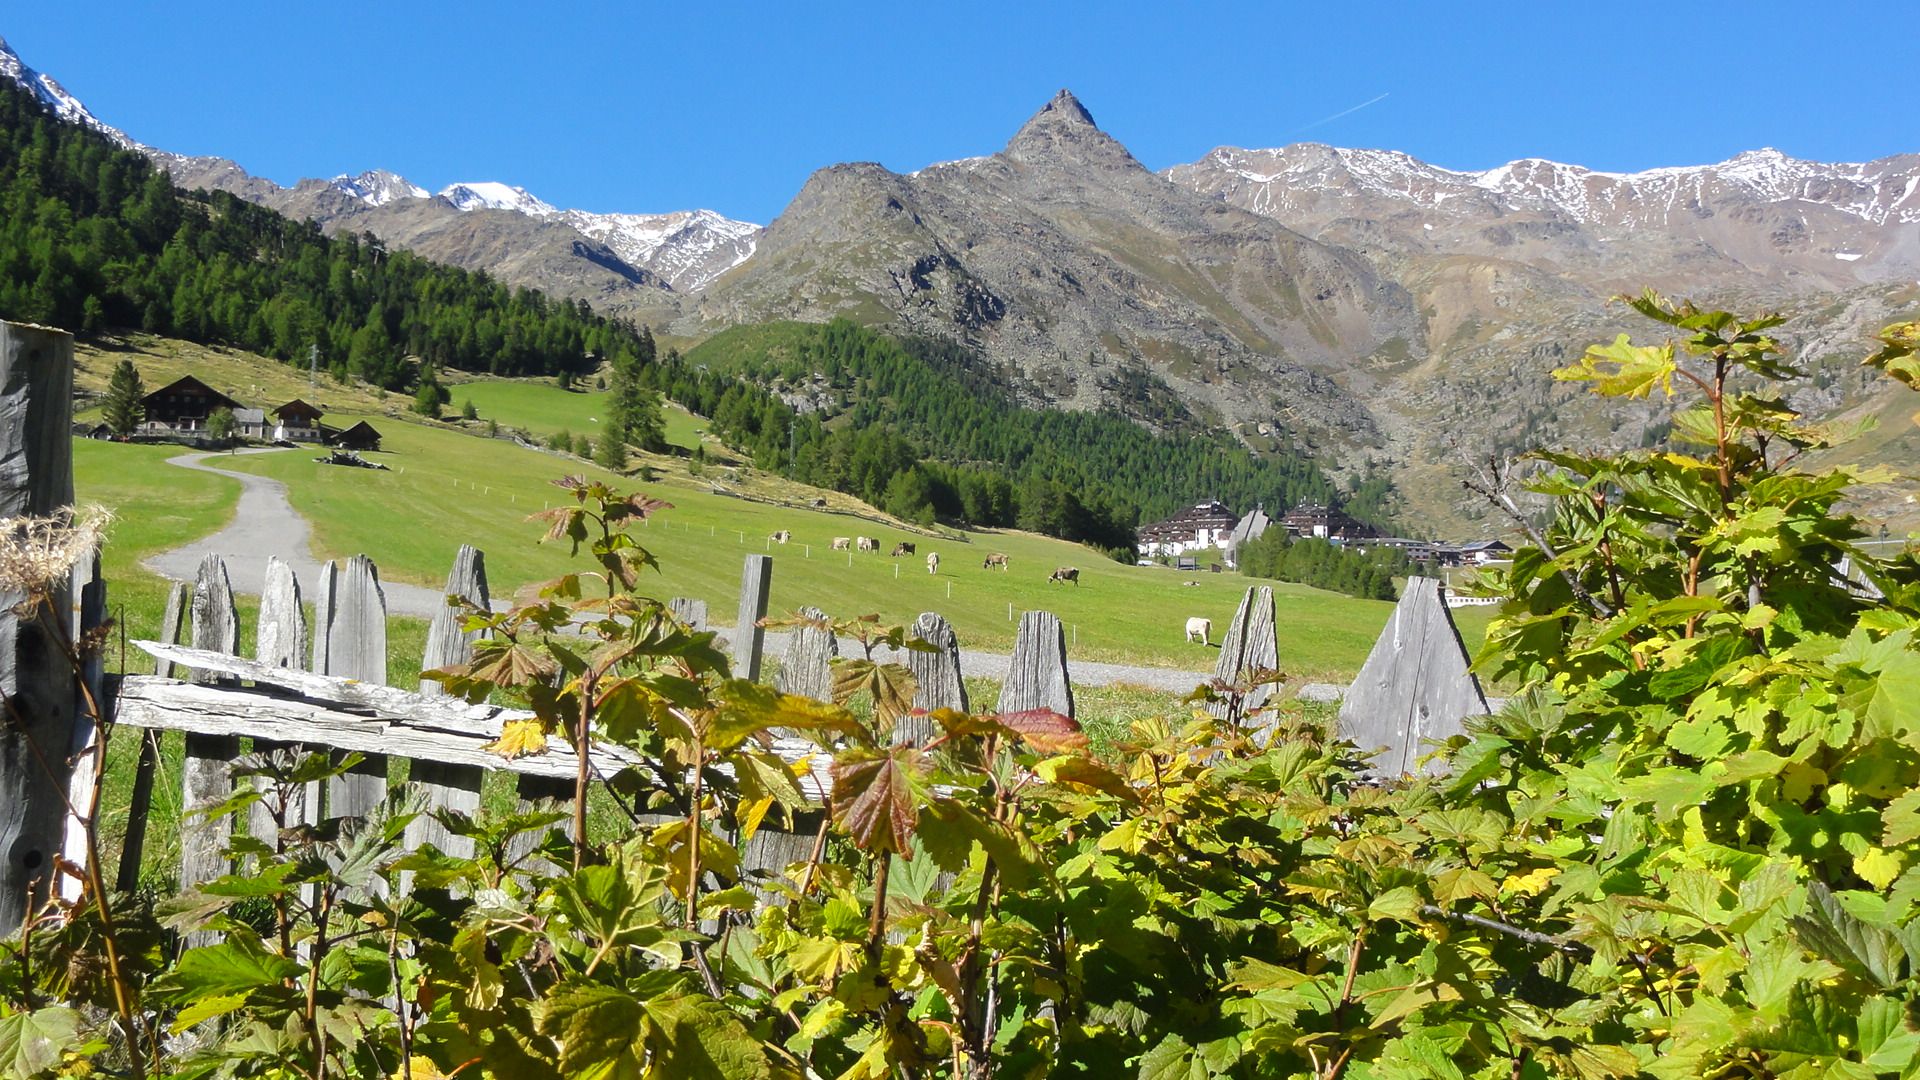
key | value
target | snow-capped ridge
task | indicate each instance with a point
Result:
(55, 97)
(492, 195)
(378, 187)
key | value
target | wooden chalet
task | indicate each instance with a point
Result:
(1203, 525)
(1323, 522)
(297, 421)
(361, 436)
(184, 405)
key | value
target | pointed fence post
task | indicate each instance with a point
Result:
(936, 676)
(1415, 688)
(749, 637)
(807, 667)
(1037, 670)
(36, 479)
(450, 787)
(1251, 645)
(280, 639)
(691, 612)
(133, 847)
(205, 780)
(350, 640)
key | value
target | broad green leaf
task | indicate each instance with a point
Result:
(696, 1037)
(1834, 934)
(234, 966)
(600, 1031)
(32, 1042)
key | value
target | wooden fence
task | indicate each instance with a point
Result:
(321, 683)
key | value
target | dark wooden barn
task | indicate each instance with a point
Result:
(361, 436)
(184, 404)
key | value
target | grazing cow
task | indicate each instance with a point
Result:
(902, 548)
(1200, 628)
(1066, 573)
(1185, 584)
(996, 559)
(867, 543)
(933, 562)
(780, 537)
(842, 543)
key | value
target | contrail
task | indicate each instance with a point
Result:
(1342, 112)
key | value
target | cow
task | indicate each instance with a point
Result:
(902, 548)
(780, 537)
(1201, 628)
(867, 543)
(996, 559)
(933, 562)
(842, 543)
(1066, 573)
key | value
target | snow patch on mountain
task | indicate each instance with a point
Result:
(489, 195)
(54, 96)
(378, 187)
(688, 248)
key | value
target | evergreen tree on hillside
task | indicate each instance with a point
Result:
(633, 414)
(611, 453)
(121, 408)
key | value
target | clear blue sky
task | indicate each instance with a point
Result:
(648, 106)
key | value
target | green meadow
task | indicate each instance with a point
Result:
(541, 407)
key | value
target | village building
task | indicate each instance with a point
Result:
(361, 436)
(1416, 551)
(297, 421)
(1203, 525)
(250, 423)
(1323, 522)
(1480, 553)
(183, 405)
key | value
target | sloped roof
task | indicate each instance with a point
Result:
(187, 384)
(298, 406)
(1250, 526)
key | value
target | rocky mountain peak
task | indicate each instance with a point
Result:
(1064, 132)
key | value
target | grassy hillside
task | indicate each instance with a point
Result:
(540, 406)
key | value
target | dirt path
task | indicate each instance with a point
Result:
(265, 525)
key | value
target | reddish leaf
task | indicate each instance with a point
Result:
(876, 797)
(1046, 731)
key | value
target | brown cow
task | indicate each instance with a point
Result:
(902, 548)
(995, 559)
(1066, 573)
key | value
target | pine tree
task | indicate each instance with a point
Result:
(121, 408)
(612, 451)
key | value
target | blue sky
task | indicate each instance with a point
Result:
(648, 107)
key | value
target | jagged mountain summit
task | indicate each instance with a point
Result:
(54, 96)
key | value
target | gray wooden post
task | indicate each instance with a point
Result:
(451, 787)
(807, 667)
(1415, 687)
(749, 637)
(280, 639)
(90, 710)
(1037, 670)
(133, 847)
(36, 479)
(769, 851)
(691, 612)
(204, 776)
(1251, 645)
(936, 675)
(350, 640)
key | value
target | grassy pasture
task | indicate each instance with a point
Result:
(540, 406)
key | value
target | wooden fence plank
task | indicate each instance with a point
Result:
(749, 637)
(1415, 687)
(204, 776)
(1251, 645)
(280, 640)
(350, 640)
(447, 785)
(89, 598)
(689, 611)
(807, 667)
(133, 847)
(937, 681)
(1037, 670)
(36, 479)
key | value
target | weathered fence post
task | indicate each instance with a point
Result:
(691, 612)
(280, 640)
(90, 711)
(936, 676)
(350, 640)
(204, 777)
(807, 667)
(1251, 645)
(134, 845)
(1415, 687)
(1037, 670)
(452, 787)
(749, 637)
(36, 479)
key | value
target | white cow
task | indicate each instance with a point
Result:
(1200, 628)
(842, 543)
(933, 562)
(867, 543)
(780, 537)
